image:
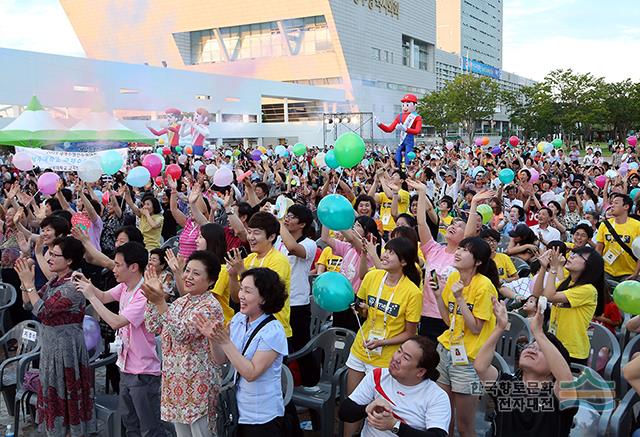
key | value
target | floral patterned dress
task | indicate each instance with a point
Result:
(65, 398)
(190, 379)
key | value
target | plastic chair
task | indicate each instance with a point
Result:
(625, 335)
(500, 364)
(507, 346)
(522, 267)
(8, 296)
(171, 243)
(600, 337)
(622, 419)
(320, 319)
(286, 379)
(28, 335)
(334, 344)
(631, 348)
(595, 401)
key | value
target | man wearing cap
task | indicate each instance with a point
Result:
(172, 131)
(409, 123)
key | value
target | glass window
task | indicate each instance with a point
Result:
(406, 51)
(375, 53)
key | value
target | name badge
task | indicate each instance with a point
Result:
(610, 257)
(386, 219)
(376, 334)
(459, 355)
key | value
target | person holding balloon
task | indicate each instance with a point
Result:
(150, 216)
(66, 395)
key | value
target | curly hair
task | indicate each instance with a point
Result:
(270, 287)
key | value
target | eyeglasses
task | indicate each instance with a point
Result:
(577, 254)
(531, 345)
(56, 255)
(290, 216)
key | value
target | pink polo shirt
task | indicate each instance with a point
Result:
(438, 259)
(139, 351)
(188, 238)
(350, 262)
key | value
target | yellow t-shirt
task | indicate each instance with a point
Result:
(570, 321)
(388, 223)
(279, 263)
(444, 224)
(623, 263)
(505, 266)
(221, 292)
(329, 260)
(405, 306)
(477, 295)
(150, 235)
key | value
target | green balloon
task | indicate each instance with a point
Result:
(349, 149)
(236, 152)
(486, 212)
(178, 149)
(299, 149)
(557, 143)
(627, 296)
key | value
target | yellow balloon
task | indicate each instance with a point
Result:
(541, 147)
(262, 149)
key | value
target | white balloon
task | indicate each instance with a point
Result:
(611, 174)
(182, 159)
(90, 170)
(197, 165)
(635, 247)
(211, 170)
(320, 159)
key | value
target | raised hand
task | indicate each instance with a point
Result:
(215, 331)
(176, 264)
(235, 264)
(23, 244)
(500, 311)
(196, 192)
(417, 185)
(26, 271)
(152, 287)
(457, 288)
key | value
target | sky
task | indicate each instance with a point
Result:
(596, 36)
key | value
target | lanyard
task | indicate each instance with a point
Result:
(253, 261)
(386, 310)
(133, 293)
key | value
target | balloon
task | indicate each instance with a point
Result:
(242, 176)
(477, 170)
(111, 161)
(634, 193)
(627, 296)
(210, 170)
(159, 155)
(635, 247)
(299, 149)
(349, 149)
(178, 149)
(624, 169)
(105, 197)
(611, 174)
(255, 155)
(236, 152)
(153, 164)
(600, 180)
(411, 156)
(48, 183)
(98, 193)
(320, 159)
(332, 292)
(557, 143)
(166, 150)
(633, 166)
(485, 141)
(486, 212)
(281, 150)
(535, 176)
(197, 165)
(514, 140)
(22, 161)
(632, 140)
(91, 332)
(208, 154)
(330, 159)
(182, 159)
(174, 171)
(262, 149)
(223, 177)
(449, 145)
(478, 141)
(159, 182)
(506, 176)
(336, 213)
(138, 177)
(496, 150)
(90, 170)
(548, 147)
(541, 145)
(188, 150)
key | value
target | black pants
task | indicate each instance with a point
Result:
(273, 428)
(300, 321)
(431, 328)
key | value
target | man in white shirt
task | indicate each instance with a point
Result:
(545, 233)
(404, 399)
(301, 251)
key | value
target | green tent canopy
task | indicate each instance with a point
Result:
(102, 126)
(35, 127)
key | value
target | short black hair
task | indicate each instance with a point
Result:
(132, 232)
(61, 226)
(270, 287)
(266, 222)
(429, 359)
(134, 253)
(245, 209)
(304, 216)
(585, 227)
(365, 198)
(53, 203)
(210, 261)
(546, 208)
(409, 218)
(490, 233)
(63, 213)
(71, 249)
(154, 202)
(264, 187)
(162, 254)
(626, 200)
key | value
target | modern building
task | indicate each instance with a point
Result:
(472, 29)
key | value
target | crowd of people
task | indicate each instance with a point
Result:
(442, 248)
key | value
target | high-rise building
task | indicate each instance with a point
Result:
(472, 29)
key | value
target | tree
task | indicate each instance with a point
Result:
(471, 98)
(622, 105)
(434, 110)
(532, 108)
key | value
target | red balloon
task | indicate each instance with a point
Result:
(514, 141)
(153, 163)
(166, 150)
(174, 171)
(159, 181)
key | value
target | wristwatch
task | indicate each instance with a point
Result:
(396, 428)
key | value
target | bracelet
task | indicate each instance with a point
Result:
(229, 212)
(30, 290)
(552, 272)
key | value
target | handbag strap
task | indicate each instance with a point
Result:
(255, 331)
(618, 239)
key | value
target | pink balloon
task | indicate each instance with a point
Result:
(535, 176)
(223, 177)
(624, 169)
(244, 175)
(479, 141)
(22, 161)
(153, 163)
(514, 140)
(208, 154)
(632, 140)
(48, 183)
(600, 180)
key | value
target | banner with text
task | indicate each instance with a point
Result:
(62, 161)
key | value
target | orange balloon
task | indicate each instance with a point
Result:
(485, 141)
(188, 150)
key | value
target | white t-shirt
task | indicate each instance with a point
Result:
(421, 406)
(300, 268)
(548, 235)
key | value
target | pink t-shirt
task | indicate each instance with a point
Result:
(435, 258)
(350, 262)
(139, 345)
(187, 243)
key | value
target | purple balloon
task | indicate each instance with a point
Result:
(478, 141)
(91, 331)
(48, 183)
(496, 150)
(255, 155)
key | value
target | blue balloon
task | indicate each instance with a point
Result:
(111, 161)
(98, 194)
(506, 176)
(411, 156)
(91, 331)
(138, 177)
(333, 292)
(330, 160)
(634, 193)
(281, 151)
(336, 213)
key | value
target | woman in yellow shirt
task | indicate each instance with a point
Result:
(466, 307)
(151, 219)
(574, 300)
(391, 301)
